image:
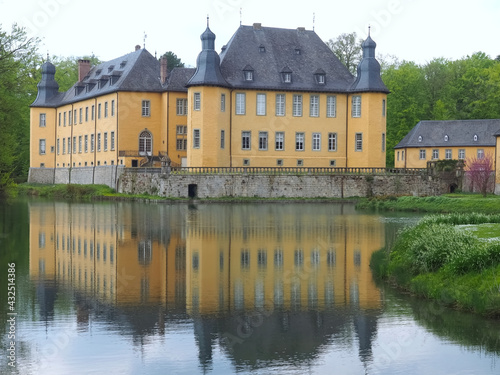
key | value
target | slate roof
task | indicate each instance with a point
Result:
(460, 134)
(300, 51)
(368, 75)
(178, 78)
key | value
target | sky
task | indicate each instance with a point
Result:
(413, 30)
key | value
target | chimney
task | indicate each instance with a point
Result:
(301, 29)
(83, 69)
(257, 26)
(137, 47)
(163, 69)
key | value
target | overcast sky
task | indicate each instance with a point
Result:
(416, 30)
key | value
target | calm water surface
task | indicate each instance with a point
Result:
(128, 288)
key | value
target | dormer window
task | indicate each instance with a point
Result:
(320, 76)
(446, 138)
(475, 137)
(248, 73)
(98, 71)
(262, 49)
(420, 138)
(298, 51)
(110, 68)
(286, 75)
(123, 63)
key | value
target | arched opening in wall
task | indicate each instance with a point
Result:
(192, 190)
(453, 188)
(145, 143)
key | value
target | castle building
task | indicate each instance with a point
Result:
(273, 97)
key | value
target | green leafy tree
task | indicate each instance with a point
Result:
(348, 50)
(67, 69)
(19, 64)
(173, 61)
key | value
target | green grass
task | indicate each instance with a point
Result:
(442, 258)
(435, 204)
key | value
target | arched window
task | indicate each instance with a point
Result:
(145, 143)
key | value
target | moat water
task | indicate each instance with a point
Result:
(133, 288)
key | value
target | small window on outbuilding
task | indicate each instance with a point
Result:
(420, 138)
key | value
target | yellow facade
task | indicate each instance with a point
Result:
(42, 141)
(410, 157)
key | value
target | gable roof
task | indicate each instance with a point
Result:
(460, 133)
(271, 50)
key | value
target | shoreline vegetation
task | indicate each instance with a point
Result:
(453, 259)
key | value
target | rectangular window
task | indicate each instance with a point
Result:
(93, 113)
(223, 102)
(422, 155)
(197, 101)
(181, 106)
(331, 106)
(64, 145)
(42, 147)
(447, 154)
(279, 141)
(245, 140)
(86, 143)
(398, 155)
(261, 104)
(105, 109)
(112, 108)
(98, 142)
(81, 115)
(86, 114)
(316, 145)
(70, 117)
(222, 139)
(299, 141)
(314, 106)
(383, 142)
(69, 145)
(181, 142)
(480, 153)
(359, 142)
(332, 141)
(59, 118)
(356, 106)
(461, 153)
(64, 118)
(112, 141)
(74, 117)
(105, 141)
(280, 104)
(196, 138)
(92, 143)
(146, 108)
(57, 145)
(74, 145)
(80, 144)
(43, 120)
(383, 107)
(240, 103)
(297, 105)
(262, 141)
(435, 154)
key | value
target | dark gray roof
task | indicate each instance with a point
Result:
(368, 77)
(299, 51)
(178, 79)
(458, 132)
(47, 87)
(136, 71)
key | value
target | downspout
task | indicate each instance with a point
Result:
(95, 140)
(72, 146)
(116, 141)
(231, 128)
(56, 150)
(168, 117)
(346, 130)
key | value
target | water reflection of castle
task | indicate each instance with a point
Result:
(214, 263)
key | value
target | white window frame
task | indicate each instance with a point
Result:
(80, 144)
(181, 107)
(448, 154)
(223, 102)
(246, 140)
(280, 104)
(105, 141)
(222, 139)
(300, 139)
(92, 142)
(480, 153)
(461, 153)
(261, 104)
(383, 142)
(316, 141)
(145, 108)
(358, 145)
(279, 141)
(43, 120)
(435, 154)
(112, 108)
(197, 101)
(240, 103)
(98, 142)
(196, 138)
(331, 106)
(356, 106)
(86, 143)
(422, 154)
(42, 146)
(332, 141)
(297, 105)
(112, 141)
(74, 144)
(263, 141)
(314, 106)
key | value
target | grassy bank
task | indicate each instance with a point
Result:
(448, 258)
(440, 204)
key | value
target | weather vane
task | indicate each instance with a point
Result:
(314, 20)
(145, 36)
(241, 15)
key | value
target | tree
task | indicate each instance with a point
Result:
(479, 172)
(347, 49)
(67, 69)
(173, 61)
(19, 64)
